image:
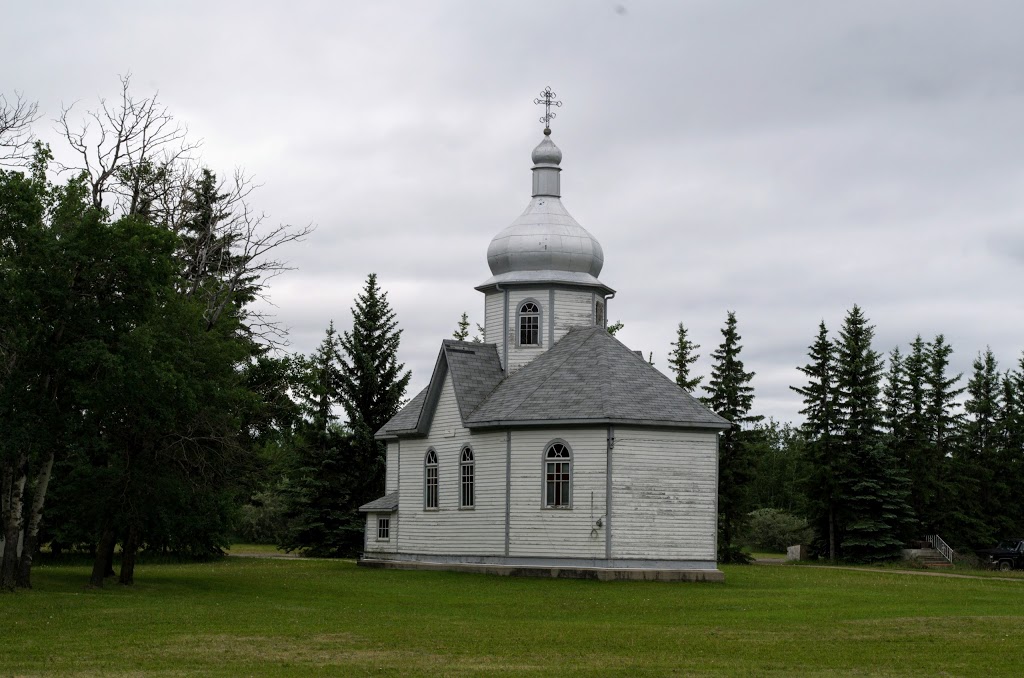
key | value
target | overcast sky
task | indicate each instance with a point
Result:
(783, 160)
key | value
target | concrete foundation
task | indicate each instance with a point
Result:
(598, 573)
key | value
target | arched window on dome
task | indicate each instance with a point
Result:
(557, 475)
(528, 322)
(430, 480)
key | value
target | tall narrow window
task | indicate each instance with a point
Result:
(529, 324)
(467, 496)
(599, 313)
(430, 480)
(557, 476)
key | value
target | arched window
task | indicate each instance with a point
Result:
(558, 476)
(467, 472)
(430, 480)
(529, 323)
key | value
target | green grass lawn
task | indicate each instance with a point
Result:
(243, 616)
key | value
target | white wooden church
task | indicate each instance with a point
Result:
(552, 448)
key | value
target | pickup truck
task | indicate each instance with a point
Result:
(1008, 555)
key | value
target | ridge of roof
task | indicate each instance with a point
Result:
(570, 384)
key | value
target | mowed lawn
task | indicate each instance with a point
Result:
(243, 616)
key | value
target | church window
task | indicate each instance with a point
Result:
(467, 472)
(383, 529)
(529, 323)
(430, 480)
(557, 476)
(599, 313)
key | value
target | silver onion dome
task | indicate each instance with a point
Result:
(545, 244)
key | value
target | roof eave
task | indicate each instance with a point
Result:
(603, 421)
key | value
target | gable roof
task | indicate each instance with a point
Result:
(589, 376)
(476, 371)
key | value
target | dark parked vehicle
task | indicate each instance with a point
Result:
(1008, 555)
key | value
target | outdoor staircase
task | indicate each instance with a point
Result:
(929, 557)
(933, 552)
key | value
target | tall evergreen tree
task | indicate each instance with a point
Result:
(943, 429)
(872, 485)
(372, 386)
(819, 428)
(682, 356)
(319, 495)
(730, 395)
(970, 520)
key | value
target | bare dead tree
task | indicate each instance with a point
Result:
(125, 148)
(16, 137)
(243, 267)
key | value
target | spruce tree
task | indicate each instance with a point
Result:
(819, 429)
(372, 387)
(319, 493)
(682, 356)
(461, 332)
(730, 395)
(981, 492)
(872, 485)
(943, 430)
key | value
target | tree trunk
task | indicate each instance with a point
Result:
(35, 518)
(111, 547)
(832, 533)
(14, 489)
(101, 563)
(128, 551)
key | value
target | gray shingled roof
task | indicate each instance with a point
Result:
(386, 504)
(588, 377)
(405, 420)
(591, 377)
(476, 371)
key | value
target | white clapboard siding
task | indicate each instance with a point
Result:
(375, 545)
(517, 357)
(573, 308)
(567, 533)
(664, 488)
(391, 473)
(494, 308)
(450, 529)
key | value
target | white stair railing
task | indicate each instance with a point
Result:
(941, 546)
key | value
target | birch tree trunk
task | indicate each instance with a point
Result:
(14, 489)
(35, 518)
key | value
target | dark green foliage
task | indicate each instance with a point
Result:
(682, 356)
(319, 496)
(779, 461)
(871, 485)
(977, 515)
(820, 429)
(322, 495)
(730, 395)
(337, 469)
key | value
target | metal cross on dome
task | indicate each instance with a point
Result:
(547, 99)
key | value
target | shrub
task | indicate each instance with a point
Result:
(773, 530)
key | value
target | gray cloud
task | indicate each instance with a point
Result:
(784, 160)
